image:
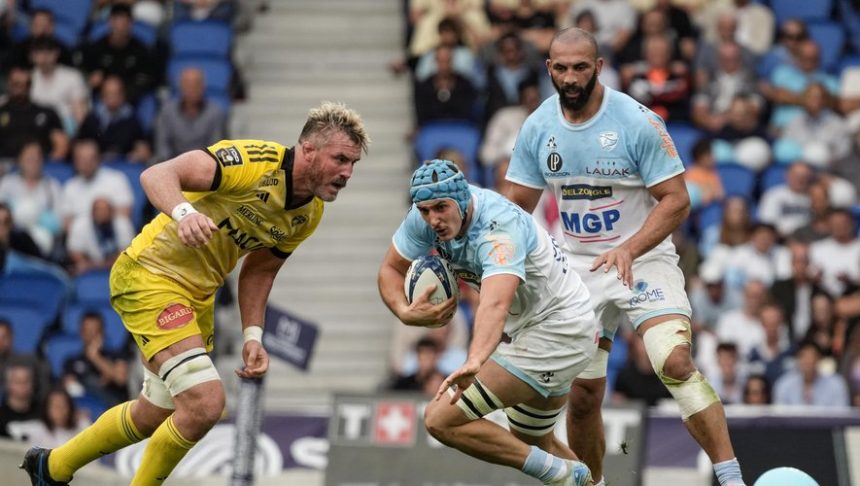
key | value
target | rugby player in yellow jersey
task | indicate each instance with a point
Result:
(235, 198)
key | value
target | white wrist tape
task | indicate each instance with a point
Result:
(253, 333)
(182, 210)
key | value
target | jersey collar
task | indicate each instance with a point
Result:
(287, 167)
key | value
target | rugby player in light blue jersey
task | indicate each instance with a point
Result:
(619, 185)
(527, 294)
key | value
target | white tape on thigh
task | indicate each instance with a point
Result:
(478, 401)
(155, 391)
(532, 421)
(597, 367)
(693, 394)
(187, 369)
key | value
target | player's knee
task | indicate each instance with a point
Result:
(679, 364)
(585, 400)
(435, 422)
(194, 384)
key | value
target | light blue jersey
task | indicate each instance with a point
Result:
(599, 171)
(503, 239)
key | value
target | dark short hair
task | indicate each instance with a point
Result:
(120, 9)
(701, 147)
(427, 343)
(4, 322)
(45, 43)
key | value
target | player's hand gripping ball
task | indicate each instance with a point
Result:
(430, 270)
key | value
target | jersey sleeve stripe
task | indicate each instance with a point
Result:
(216, 181)
(280, 254)
(662, 179)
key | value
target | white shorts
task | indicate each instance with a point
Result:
(658, 289)
(549, 355)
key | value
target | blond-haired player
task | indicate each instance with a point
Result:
(235, 198)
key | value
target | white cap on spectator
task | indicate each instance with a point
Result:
(816, 154)
(711, 273)
(842, 193)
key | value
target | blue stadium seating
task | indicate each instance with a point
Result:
(93, 287)
(67, 34)
(218, 72)
(74, 13)
(684, 136)
(59, 348)
(830, 37)
(115, 333)
(710, 215)
(772, 176)
(60, 171)
(205, 38)
(28, 324)
(462, 136)
(42, 291)
(737, 180)
(147, 111)
(141, 31)
(801, 9)
(132, 173)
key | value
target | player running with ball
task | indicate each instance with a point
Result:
(534, 327)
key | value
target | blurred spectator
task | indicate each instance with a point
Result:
(190, 121)
(92, 181)
(505, 74)
(772, 355)
(114, 125)
(463, 61)
(454, 155)
(688, 254)
(762, 259)
(824, 325)
(97, 373)
(12, 238)
(22, 121)
(41, 25)
(730, 78)
(60, 421)
(59, 87)
(742, 326)
(681, 27)
(451, 354)
(658, 82)
(34, 199)
(425, 16)
(8, 357)
(742, 121)
(792, 34)
(848, 167)
(97, 239)
(615, 20)
(654, 22)
(794, 294)
(121, 54)
(427, 359)
(534, 19)
(787, 206)
(819, 124)
(503, 127)
(755, 26)
(853, 378)
(703, 173)
(710, 300)
(786, 85)
(734, 229)
(837, 258)
(19, 411)
(756, 391)
(446, 95)
(636, 380)
(818, 226)
(730, 376)
(806, 385)
(708, 57)
(223, 10)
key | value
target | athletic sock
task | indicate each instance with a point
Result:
(545, 466)
(165, 449)
(602, 482)
(729, 472)
(112, 431)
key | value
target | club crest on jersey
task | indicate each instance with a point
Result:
(608, 140)
(229, 156)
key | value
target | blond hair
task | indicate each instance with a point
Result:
(331, 117)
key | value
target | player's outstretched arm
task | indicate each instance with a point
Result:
(673, 206)
(524, 197)
(255, 282)
(164, 183)
(420, 312)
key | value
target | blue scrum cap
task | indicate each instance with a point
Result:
(440, 179)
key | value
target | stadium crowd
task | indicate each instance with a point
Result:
(95, 91)
(761, 99)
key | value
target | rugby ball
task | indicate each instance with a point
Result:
(427, 271)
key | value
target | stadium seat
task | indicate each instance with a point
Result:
(459, 135)
(146, 112)
(737, 180)
(218, 72)
(93, 287)
(67, 34)
(141, 31)
(684, 136)
(28, 323)
(60, 171)
(710, 215)
(830, 37)
(801, 9)
(42, 291)
(74, 13)
(58, 349)
(772, 176)
(205, 38)
(115, 333)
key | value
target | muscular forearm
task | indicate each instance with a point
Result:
(669, 213)
(254, 289)
(489, 325)
(162, 188)
(390, 284)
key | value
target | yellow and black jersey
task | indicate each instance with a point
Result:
(251, 201)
